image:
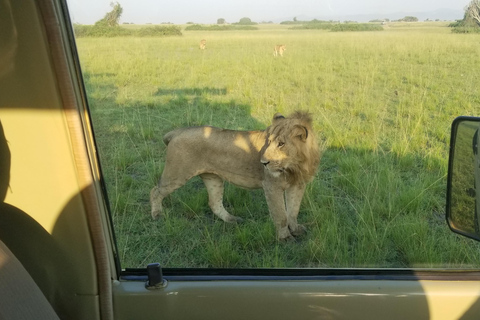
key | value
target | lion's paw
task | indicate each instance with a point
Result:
(285, 235)
(300, 230)
(233, 219)
(156, 214)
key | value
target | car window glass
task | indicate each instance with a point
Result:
(381, 90)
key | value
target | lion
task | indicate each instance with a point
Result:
(281, 160)
(278, 50)
(203, 44)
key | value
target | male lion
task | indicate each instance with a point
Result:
(281, 159)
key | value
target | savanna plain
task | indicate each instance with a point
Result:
(382, 104)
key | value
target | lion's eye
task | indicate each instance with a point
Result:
(281, 144)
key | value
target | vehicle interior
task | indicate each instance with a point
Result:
(58, 250)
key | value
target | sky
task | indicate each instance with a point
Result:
(208, 11)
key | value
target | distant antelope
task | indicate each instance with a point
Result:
(278, 50)
(203, 44)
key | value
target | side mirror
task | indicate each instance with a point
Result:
(463, 184)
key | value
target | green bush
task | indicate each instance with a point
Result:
(464, 26)
(195, 27)
(465, 29)
(158, 31)
(315, 25)
(457, 23)
(216, 27)
(245, 21)
(293, 22)
(321, 25)
(100, 30)
(356, 27)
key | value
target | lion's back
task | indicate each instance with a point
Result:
(188, 133)
(232, 155)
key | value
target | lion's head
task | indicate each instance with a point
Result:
(291, 147)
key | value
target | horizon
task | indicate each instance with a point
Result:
(207, 12)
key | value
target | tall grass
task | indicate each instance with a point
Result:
(382, 102)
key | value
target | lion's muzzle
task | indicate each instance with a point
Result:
(273, 167)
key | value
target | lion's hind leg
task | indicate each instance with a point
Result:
(168, 183)
(214, 185)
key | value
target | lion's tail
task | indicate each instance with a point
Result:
(170, 135)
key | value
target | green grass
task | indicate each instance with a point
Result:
(383, 103)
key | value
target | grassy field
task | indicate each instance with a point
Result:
(382, 101)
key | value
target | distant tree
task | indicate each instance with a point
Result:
(220, 21)
(472, 12)
(245, 21)
(111, 18)
(410, 19)
(295, 19)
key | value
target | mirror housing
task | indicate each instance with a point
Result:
(463, 183)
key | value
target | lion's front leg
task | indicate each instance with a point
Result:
(276, 206)
(293, 197)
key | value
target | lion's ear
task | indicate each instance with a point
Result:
(278, 116)
(301, 132)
